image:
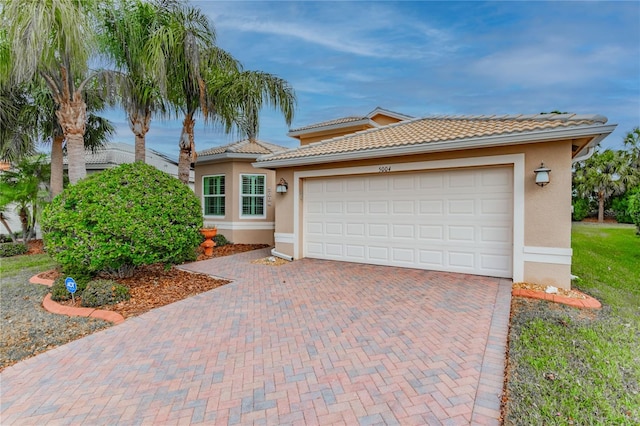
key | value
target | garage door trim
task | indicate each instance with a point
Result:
(514, 160)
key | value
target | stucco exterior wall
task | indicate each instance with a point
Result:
(546, 254)
(232, 225)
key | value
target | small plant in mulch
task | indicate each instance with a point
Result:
(104, 292)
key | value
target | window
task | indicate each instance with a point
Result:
(213, 195)
(252, 196)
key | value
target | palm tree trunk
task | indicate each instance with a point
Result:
(187, 148)
(72, 116)
(57, 167)
(4, 222)
(139, 124)
(600, 207)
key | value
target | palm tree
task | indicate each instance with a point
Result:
(182, 49)
(128, 31)
(54, 39)
(244, 94)
(16, 124)
(24, 186)
(603, 175)
(35, 120)
(632, 143)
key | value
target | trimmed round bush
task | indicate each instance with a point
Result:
(103, 292)
(12, 249)
(121, 218)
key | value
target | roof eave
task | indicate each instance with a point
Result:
(295, 133)
(226, 156)
(598, 131)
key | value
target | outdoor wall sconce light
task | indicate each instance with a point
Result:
(282, 186)
(542, 175)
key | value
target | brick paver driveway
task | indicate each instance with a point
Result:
(311, 342)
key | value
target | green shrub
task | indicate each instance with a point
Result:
(121, 218)
(59, 290)
(104, 292)
(12, 249)
(581, 209)
(634, 210)
(5, 238)
(221, 240)
(620, 207)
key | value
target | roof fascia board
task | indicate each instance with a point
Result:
(330, 127)
(601, 131)
(382, 111)
(590, 148)
(226, 156)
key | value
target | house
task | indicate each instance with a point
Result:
(112, 154)
(346, 125)
(115, 153)
(443, 193)
(236, 197)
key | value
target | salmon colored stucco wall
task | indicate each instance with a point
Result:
(547, 210)
(234, 228)
(383, 120)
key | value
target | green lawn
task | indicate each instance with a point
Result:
(570, 366)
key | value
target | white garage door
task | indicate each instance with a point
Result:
(456, 220)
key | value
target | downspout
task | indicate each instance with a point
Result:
(281, 255)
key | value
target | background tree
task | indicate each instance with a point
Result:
(632, 145)
(25, 187)
(602, 176)
(54, 39)
(128, 31)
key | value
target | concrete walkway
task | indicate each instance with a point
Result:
(311, 342)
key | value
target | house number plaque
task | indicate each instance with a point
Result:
(384, 169)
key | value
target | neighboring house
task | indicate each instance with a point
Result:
(236, 197)
(342, 126)
(443, 193)
(115, 153)
(111, 155)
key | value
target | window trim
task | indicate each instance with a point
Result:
(223, 196)
(263, 196)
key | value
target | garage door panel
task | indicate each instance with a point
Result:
(431, 207)
(400, 255)
(355, 230)
(431, 232)
(378, 253)
(461, 233)
(356, 251)
(461, 207)
(457, 220)
(378, 230)
(332, 249)
(355, 207)
(404, 207)
(378, 207)
(501, 234)
(403, 231)
(461, 259)
(333, 229)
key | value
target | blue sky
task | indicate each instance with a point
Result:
(428, 58)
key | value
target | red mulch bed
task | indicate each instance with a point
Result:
(153, 286)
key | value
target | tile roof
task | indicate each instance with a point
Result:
(244, 146)
(346, 120)
(342, 120)
(423, 131)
